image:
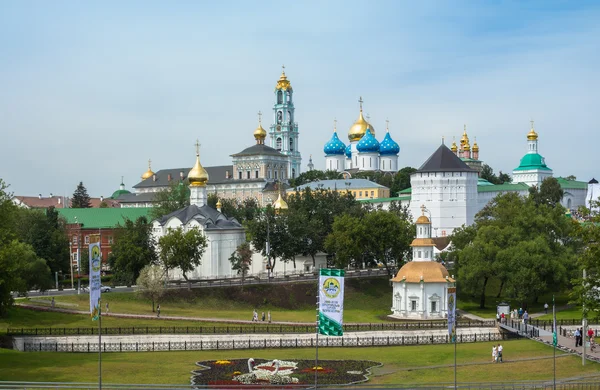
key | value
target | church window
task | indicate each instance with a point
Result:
(268, 174)
(87, 239)
(433, 306)
(419, 254)
(279, 97)
(275, 175)
(240, 175)
(293, 173)
(420, 230)
(289, 96)
(291, 145)
(370, 162)
(247, 174)
(413, 305)
(290, 118)
(74, 239)
(278, 144)
(360, 193)
(256, 174)
(279, 117)
(110, 239)
(372, 193)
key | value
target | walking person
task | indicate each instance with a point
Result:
(499, 359)
(158, 310)
(263, 316)
(581, 337)
(106, 308)
(269, 316)
(52, 303)
(546, 308)
(590, 334)
(494, 354)
(255, 316)
(525, 317)
(577, 337)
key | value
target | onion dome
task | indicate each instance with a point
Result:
(388, 146)
(466, 146)
(532, 135)
(283, 83)
(475, 146)
(349, 151)
(149, 173)
(120, 191)
(465, 138)
(359, 128)
(219, 205)
(423, 220)
(198, 175)
(260, 134)
(280, 204)
(368, 143)
(454, 148)
(334, 146)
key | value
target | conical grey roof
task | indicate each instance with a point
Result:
(444, 160)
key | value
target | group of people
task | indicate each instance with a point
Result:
(255, 316)
(497, 353)
(579, 336)
(519, 314)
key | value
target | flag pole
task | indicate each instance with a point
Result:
(100, 343)
(554, 339)
(317, 338)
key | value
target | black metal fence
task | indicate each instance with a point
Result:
(372, 341)
(241, 329)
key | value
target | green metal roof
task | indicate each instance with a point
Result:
(503, 187)
(532, 161)
(571, 184)
(406, 191)
(118, 193)
(483, 182)
(97, 218)
(380, 200)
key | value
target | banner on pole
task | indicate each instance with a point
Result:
(452, 313)
(95, 264)
(331, 301)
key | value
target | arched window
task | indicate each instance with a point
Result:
(291, 144)
(293, 173)
(289, 96)
(278, 144)
(279, 116)
(279, 97)
(290, 117)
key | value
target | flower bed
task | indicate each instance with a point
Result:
(278, 372)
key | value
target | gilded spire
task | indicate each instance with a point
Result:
(359, 128)
(149, 173)
(454, 148)
(260, 134)
(283, 83)
(475, 146)
(198, 175)
(532, 135)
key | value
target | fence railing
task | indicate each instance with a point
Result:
(248, 329)
(202, 345)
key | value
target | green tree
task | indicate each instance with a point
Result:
(151, 283)
(314, 175)
(243, 211)
(173, 198)
(401, 180)
(80, 199)
(241, 260)
(571, 178)
(133, 249)
(47, 234)
(103, 205)
(183, 250)
(504, 178)
(487, 173)
(343, 241)
(549, 193)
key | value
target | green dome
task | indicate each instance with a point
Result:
(532, 161)
(118, 193)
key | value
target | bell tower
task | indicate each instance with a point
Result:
(283, 133)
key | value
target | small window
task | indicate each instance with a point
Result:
(433, 306)
(413, 305)
(247, 174)
(275, 175)
(110, 239)
(360, 193)
(256, 174)
(74, 239)
(372, 194)
(419, 254)
(268, 174)
(87, 239)
(240, 175)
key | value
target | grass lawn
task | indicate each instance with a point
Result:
(365, 301)
(471, 304)
(400, 364)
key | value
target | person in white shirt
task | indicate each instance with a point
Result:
(546, 308)
(494, 354)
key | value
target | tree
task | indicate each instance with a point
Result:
(173, 198)
(504, 178)
(81, 199)
(487, 173)
(342, 242)
(103, 205)
(151, 283)
(401, 180)
(47, 234)
(571, 178)
(183, 250)
(314, 175)
(241, 259)
(243, 211)
(550, 192)
(133, 249)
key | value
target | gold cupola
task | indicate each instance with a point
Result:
(532, 135)
(475, 146)
(283, 83)
(260, 134)
(280, 204)
(359, 128)
(454, 148)
(465, 138)
(198, 175)
(149, 173)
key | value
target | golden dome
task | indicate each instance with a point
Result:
(428, 271)
(219, 204)
(283, 83)
(198, 175)
(149, 173)
(423, 219)
(422, 242)
(532, 135)
(467, 147)
(454, 148)
(280, 204)
(475, 147)
(465, 138)
(260, 134)
(359, 128)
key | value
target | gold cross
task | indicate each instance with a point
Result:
(360, 101)
(283, 69)
(259, 117)
(197, 148)
(423, 209)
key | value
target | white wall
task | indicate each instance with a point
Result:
(424, 293)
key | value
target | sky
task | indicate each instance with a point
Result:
(89, 91)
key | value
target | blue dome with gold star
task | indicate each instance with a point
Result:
(334, 146)
(388, 146)
(368, 143)
(349, 151)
